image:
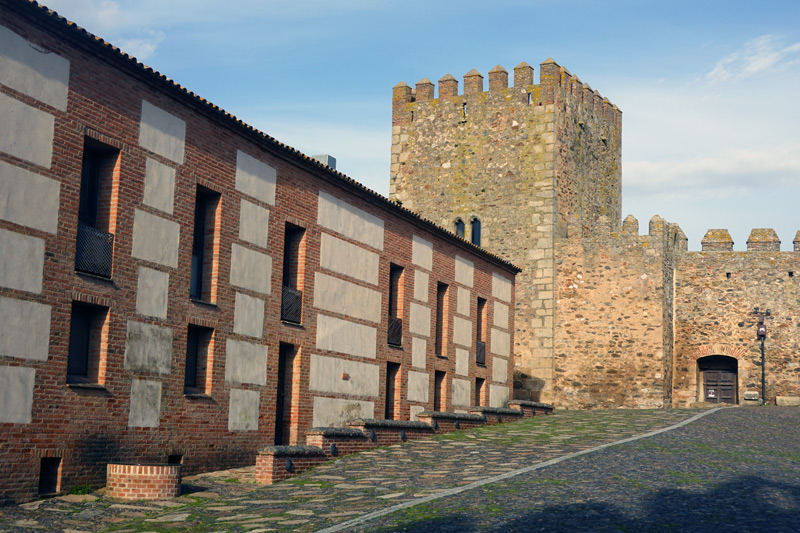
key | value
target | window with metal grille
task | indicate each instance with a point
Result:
(293, 274)
(86, 343)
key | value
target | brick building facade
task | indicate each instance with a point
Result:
(178, 287)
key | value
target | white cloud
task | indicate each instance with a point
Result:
(142, 47)
(760, 55)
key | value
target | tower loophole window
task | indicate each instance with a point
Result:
(475, 232)
(459, 227)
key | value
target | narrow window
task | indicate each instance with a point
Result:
(392, 389)
(479, 391)
(529, 99)
(293, 274)
(459, 227)
(464, 110)
(475, 232)
(480, 335)
(287, 405)
(94, 245)
(50, 475)
(198, 360)
(439, 384)
(441, 319)
(395, 326)
(205, 245)
(88, 333)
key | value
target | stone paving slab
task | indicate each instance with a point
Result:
(353, 486)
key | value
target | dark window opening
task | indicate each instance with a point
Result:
(479, 382)
(529, 98)
(392, 389)
(441, 319)
(464, 110)
(49, 475)
(293, 274)
(86, 346)
(198, 349)
(475, 232)
(439, 384)
(286, 404)
(459, 227)
(395, 325)
(791, 274)
(480, 334)
(175, 459)
(205, 242)
(728, 275)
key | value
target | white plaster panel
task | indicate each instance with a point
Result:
(465, 271)
(145, 409)
(501, 287)
(16, 394)
(417, 387)
(333, 412)
(155, 239)
(347, 337)
(462, 331)
(347, 298)
(500, 315)
(419, 320)
(152, 293)
(350, 221)
(255, 178)
(498, 396)
(162, 132)
(248, 318)
(24, 329)
(462, 362)
(414, 411)
(501, 343)
(499, 370)
(28, 199)
(148, 348)
(253, 223)
(326, 375)
(462, 390)
(159, 186)
(422, 253)
(419, 354)
(462, 301)
(21, 261)
(243, 410)
(250, 269)
(348, 259)
(245, 363)
(32, 70)
(27, 132)
(421, 287)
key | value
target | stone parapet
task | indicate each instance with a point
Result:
(763, 240)
(276, 463)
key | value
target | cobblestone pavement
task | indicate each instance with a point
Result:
(734, 469)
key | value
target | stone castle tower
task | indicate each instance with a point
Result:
(511, 169)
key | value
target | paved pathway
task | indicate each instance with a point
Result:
(733, 469)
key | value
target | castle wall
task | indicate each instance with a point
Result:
(167, 159)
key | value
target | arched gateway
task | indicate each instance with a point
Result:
(718, 375)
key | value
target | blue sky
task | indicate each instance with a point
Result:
(709, 90)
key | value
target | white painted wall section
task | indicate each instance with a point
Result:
(340, 296)
(419, 320)
(152, 293)
(501, 343)
(27, 132)
(28, 199)
(418, 352)
(253, 223)
(462, 362)
(462, 393)
(159, 186)
(145, 409)
(248, 317)
(348, 259)
(350, 221)
(245, 363)
(243, 410)
(500, 315)
(334, 412)
(155, 239)
(21, 261)
(255, 178)
(162, 133)
(32, 70)
(250, 269)
(327, 374)
(498, 396)
(462, 301)
(501, 288)
(462, 331)
(417, 387)
(16, 394)
(499, 370)
(422, 253)
(421, 285)
(343, 336)
(148, 348)
(465, 271)
(24, 329)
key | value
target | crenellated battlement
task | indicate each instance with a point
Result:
(760, 240)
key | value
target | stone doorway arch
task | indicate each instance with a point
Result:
(718, 379)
